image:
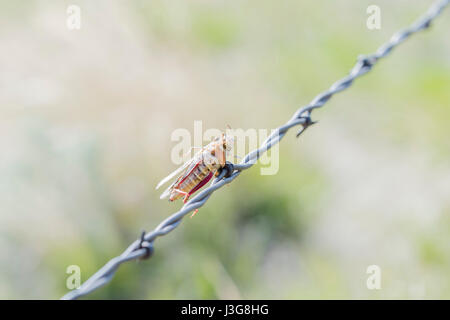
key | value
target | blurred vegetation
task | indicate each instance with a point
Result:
(86, 118)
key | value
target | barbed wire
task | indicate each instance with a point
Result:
(143, 247)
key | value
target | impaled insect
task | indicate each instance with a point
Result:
(197, 171)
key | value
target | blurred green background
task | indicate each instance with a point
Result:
(85, 124)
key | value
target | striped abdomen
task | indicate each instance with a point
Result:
(195, 178)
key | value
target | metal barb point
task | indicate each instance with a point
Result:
(143, 244)
(427, 24)
(367, 61)
(229, 169)
(305, 125)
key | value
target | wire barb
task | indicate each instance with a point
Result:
(148, 246)
(308, 122)
(228, 169)
(231, 171)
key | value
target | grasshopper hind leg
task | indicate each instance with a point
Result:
(186, 198)
(186, 195)
(194, 213)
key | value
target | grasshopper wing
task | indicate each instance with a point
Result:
(175, 173)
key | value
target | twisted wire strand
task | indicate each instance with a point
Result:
(143, 247)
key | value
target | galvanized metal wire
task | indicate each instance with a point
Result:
(143, 247)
